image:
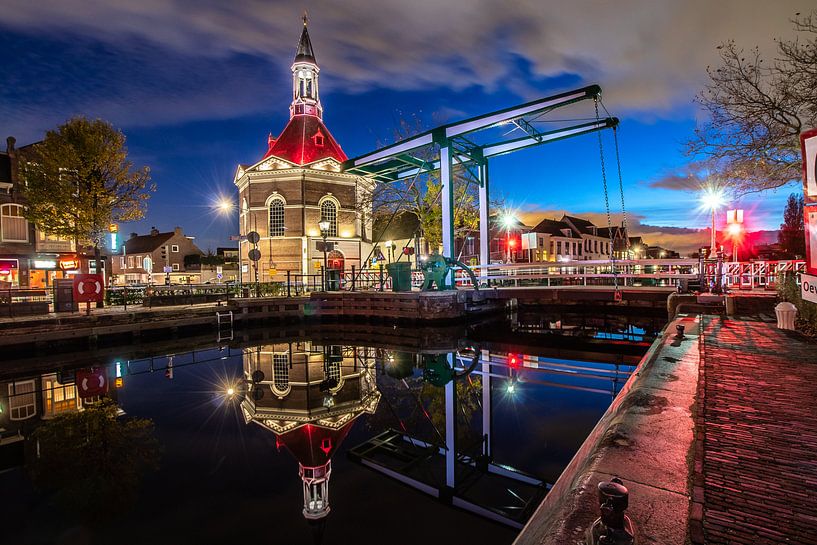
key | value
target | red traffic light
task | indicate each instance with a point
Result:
(408, 250)
(512, 243)
(514, 360)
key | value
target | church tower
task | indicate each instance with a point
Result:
(305, 96)
(297, 183)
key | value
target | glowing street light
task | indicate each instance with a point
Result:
(224, 205)
(712, 199)
(508, 222)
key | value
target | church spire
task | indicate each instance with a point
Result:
(305, 97)
(304, 52)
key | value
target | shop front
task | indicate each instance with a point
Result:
(9, 273)
(45, 269)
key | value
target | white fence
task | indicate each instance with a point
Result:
(633, 272)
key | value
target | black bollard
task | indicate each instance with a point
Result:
(613, 527)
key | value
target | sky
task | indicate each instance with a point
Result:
(196, 86)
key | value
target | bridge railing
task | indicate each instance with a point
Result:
(633, 272)
(657, 272)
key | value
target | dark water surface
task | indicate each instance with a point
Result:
(231, 423)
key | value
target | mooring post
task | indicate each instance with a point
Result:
(613, 527)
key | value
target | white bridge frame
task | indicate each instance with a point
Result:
(401, 160)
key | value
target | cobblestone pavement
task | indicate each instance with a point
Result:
(755, 474)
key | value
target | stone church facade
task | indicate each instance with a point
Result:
(299, 182)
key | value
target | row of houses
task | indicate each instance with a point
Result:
(567, 239)
(34, 259)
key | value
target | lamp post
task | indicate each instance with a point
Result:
(390, 249)
(323, 225)
(508, 222)
(225, 207)
(712, 199)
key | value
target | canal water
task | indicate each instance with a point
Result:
(332, 434)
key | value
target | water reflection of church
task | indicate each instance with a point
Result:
(310, 397)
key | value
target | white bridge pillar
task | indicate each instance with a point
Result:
(450, 428)
(484, 228)
(447, 189)
(487, 429)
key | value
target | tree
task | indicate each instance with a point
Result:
(792, 231)
(79, 180)
(422, 194)
(757, 110)
(93, 460)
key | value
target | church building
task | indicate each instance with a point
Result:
(296, 184)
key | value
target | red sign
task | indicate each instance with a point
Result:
(91, 382)
(88, 288)
(808, 147)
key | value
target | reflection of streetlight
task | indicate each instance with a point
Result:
(323, 225)
(712, 199)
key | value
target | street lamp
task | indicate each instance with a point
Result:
(323, 225)
(712, 199)
(224, 207)
(508, 222)
(390, 249)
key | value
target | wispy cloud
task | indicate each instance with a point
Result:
(186, 59)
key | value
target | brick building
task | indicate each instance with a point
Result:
(146, 256)
(298, 182)
(29, 256)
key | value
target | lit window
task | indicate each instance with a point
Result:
(329, 212)
(280, 374)
(59, 397)
(276, 218)
(13, 224)
(174, 249)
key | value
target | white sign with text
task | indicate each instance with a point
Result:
(808, 287)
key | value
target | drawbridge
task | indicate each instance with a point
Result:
(466, 147)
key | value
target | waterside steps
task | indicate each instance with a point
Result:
(497, 492)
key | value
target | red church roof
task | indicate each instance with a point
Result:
(313, 446)
(305, 140)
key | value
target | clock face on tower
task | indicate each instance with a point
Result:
(310, 109)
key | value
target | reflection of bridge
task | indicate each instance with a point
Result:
(467, 475)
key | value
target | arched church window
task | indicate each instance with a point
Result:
(329, 212)
(276, 218)
(280, 373)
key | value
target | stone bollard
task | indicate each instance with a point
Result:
(786, 313)
(614, 527)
